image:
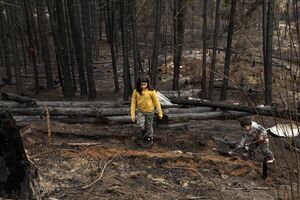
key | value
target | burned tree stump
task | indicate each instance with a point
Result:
(18, 180)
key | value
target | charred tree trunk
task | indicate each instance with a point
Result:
(43, 32)
(24, 52)
(32, 44)
(17, 64)
(215, 45)
(269, 50)
(110, 11)
(203, 80)
(154, 60)
(178, 14)
(126, 69)
(69, 92)
(264, 27)
(73, 8)
(88, 40)
(228, 50)
(71, 49)
(57, 40)
(4, 39)
(18, 178)
(138, 69)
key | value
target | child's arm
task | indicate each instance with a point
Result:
(133, 106)
(157, 104)
(263, 135)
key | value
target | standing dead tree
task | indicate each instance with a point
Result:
(78, 44)
(154, 61)
(19, 179)
(32, 43)
(215, 45)
(43, 33)
(178, 17)
(228, 50)
(268, 53)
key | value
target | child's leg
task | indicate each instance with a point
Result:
(251, 150)
(140, 123)
(266, 151)
(149, 124)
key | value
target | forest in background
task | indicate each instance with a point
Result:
(59, 42)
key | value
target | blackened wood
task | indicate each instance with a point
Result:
(178, 15)
(19, 179)
(242, 108)
(88, 42)
(17, 64)
(76, 31)
(138, 69)
(43, 33)
(125, 42)
(269, 50)
(69, 92)
(18, 98)
(32, 43)
(228, 50)
(4, 39)
(204, 40)
(154, 60)
(110, 12)
(214, 54)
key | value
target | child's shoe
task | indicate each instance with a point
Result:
(148, 141)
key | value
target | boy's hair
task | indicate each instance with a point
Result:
(246, 122)
(139, 81)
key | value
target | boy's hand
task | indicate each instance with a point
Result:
(261, 139)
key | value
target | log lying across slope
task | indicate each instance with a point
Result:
(266, 111)
(96, 112)
(25, 111)
(125, 119)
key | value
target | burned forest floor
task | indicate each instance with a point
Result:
(92, 162)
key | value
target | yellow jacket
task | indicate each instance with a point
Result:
(145, 102)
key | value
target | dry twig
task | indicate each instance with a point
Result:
(101, 174)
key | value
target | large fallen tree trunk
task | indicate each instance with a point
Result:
(266, 111)
(94, 104)
(94, 112)
(187, 116)
(19, 179)
(73, 104)
(18, 98)
(125, 119)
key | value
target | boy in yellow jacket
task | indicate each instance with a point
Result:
(144, 100)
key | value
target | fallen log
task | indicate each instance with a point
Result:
(93, 104)
(125, 119)
(266, 111)
(73, 104)
(187, 116)
(96, 112)
(18, 98)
